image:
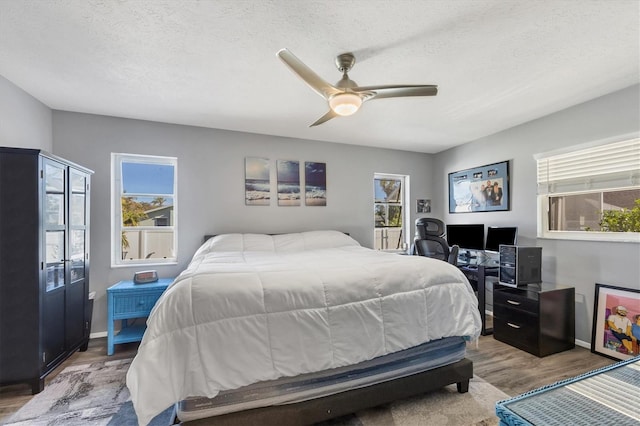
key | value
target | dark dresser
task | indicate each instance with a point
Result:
(537, 318)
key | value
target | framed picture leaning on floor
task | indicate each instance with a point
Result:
(616, 322)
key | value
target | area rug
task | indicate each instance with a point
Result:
(443, 407)
(85, 394)
(96, 395)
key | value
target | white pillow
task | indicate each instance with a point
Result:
(310, 240)
(327, 239)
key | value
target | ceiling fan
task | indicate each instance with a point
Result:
(346, 97)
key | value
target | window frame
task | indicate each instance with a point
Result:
(546, 191)
(545, 233)
(116, 210)
(406, 218)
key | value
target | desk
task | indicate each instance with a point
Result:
(477, 269)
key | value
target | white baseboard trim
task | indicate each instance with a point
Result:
(98, 335)
(583, 344)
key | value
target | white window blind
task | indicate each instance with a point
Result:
(614, 165)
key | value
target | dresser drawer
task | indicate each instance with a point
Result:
(516, 327)
(136, 304)
(517, 299)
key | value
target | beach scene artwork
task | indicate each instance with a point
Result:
(257, 182)
(288, 183)
(315, 179)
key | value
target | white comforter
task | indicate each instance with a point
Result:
(255, 307)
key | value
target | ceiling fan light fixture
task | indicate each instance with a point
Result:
(345, 103)
(346, 97)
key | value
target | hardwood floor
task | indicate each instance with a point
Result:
(514, 371)
(509, 369)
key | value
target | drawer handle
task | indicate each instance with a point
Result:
(513, 325)
(141, 302)
(512, 302)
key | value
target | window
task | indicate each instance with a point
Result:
(389, 212)
(144, 203)
(591, 193)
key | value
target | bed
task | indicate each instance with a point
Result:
(257, 311)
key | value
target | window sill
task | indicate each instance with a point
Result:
(611, 237)
(144, 265)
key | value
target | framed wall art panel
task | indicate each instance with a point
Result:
(480, 189)
(257, 183)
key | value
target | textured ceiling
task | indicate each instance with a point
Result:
(213, 63)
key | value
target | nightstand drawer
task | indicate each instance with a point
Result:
(127, 305)
(516, 299)
(516, 327)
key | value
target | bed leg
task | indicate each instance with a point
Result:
(463, 387)
(174, 417)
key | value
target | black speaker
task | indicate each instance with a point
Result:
(520, 266)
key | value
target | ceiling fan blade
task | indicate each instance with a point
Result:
(314, 81)
(396, 91)
(328, 116)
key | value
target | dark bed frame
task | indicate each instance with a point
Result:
(343, 403)
(348, 402)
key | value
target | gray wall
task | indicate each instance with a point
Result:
(25, 122)
(211, 174)
(577, 263)
(211, 184)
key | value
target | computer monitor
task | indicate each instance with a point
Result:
(467, 236)
(497, 235)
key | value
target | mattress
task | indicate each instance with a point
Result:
(290, 390)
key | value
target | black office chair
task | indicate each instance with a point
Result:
(429, 241)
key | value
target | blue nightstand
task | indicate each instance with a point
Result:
(126, 301)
